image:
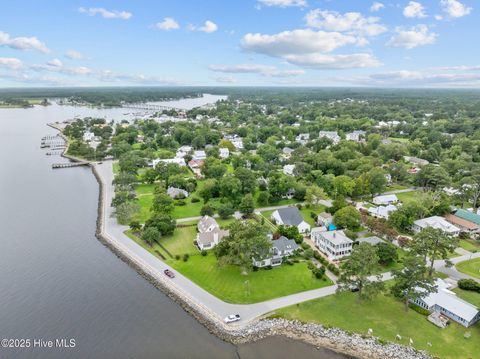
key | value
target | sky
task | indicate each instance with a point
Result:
(385, 43)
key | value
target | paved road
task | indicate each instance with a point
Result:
(452, 272)
(218, 308)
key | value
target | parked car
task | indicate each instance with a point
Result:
(232, 318)
(169, 273)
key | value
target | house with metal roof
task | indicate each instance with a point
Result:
(435, 222)
(464, 224)
(382, 211)
(467, 215)
(281, 248)
(385, 199)
(290, 217)
(445, 303)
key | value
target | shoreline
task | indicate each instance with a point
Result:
(334, 339)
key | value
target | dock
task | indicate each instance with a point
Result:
(69, 164)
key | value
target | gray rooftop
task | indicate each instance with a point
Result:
(284, 244)
(290, 216)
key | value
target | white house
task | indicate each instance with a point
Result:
(183, 151)
(291, 217)
(436, 222)
(303, 138)
(176, 160)
(385, 199)
(238, 143)
(331, 135)
(199, 155)
(445, 302)
(281, 248)
(356, 136)
(288, 170)
(209, 233)
(224, 152)
(88, 136)
(174, 192)
(334, 244)
(382, 211)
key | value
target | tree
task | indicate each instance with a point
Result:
(433, 243)
(247, 240)
(162, 203)
(225, 210)
(151, 235)
(411, 281)
(314, 195)
(347, 217)
(247, 179)
(343, 186)
(403, 218)
(150, 176)
(213, 168)
(263, 198)
(291, 232)
(135, 225)
(125, 212)
(358, 270)
(163, 222)
(209, 190)
(247, 205)
(433, 177)
(377, 181)
(207, 210)
(230, 187)
(387, 253)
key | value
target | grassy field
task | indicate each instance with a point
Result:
(406, 197)
(386, 316)
(470, 245)
(180, 242)
(228, 284)
(469, 296)
(395, 187)
(471, 267)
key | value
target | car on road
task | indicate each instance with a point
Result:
(169, 273)
(232, 318)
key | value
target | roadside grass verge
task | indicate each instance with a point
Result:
(471, 267)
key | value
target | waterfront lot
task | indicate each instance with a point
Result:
(385, 315)
(228, 284)
(471, 267)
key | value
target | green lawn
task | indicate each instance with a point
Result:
(180, 242)
(469, 296)
(228, 284)
(406, 197)
(307, 211)
(395, 187)
(386, 316)
(470, 245)
(471, 267)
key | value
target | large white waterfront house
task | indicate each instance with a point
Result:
(334, 244)
(281, 248)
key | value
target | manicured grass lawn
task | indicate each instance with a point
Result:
(406, 197)
(469, 296)
(386, 316)
(470, 245)
(228, 284)
(180, 242)
(471, 267)
(143, 189)
(395, 187)
(307, 211)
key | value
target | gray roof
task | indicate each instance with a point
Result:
(336, 237)
(290, 216)
(370, 240)
(205, 223)
(284, 244)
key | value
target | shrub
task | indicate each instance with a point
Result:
(268, 267)
(308, 253)
(255, 268)
(419, 309)
(296, 260)
(351, 234)
(311, 266)
(185, 257)
(204, 252)
(469, 284)
(177, 257)
(180, 203)
(195, 200)
(305, 246)
(317, 256)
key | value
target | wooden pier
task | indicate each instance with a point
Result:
(69, 164)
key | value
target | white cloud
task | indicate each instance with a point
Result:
(55, 63)
(410, 38)
(57, 66)
(327, 61)
(74, 55)
(106, 14)
(168, 23)
(301, 41)
(414, 9)
(225, 79)
(283, 3)
(23, 43)
(208, 27)
(348, 22)
(455, 8)
(438, 17)
(376, 6)
(11, 63)
(264, 70)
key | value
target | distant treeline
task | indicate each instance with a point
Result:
(284, 96)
